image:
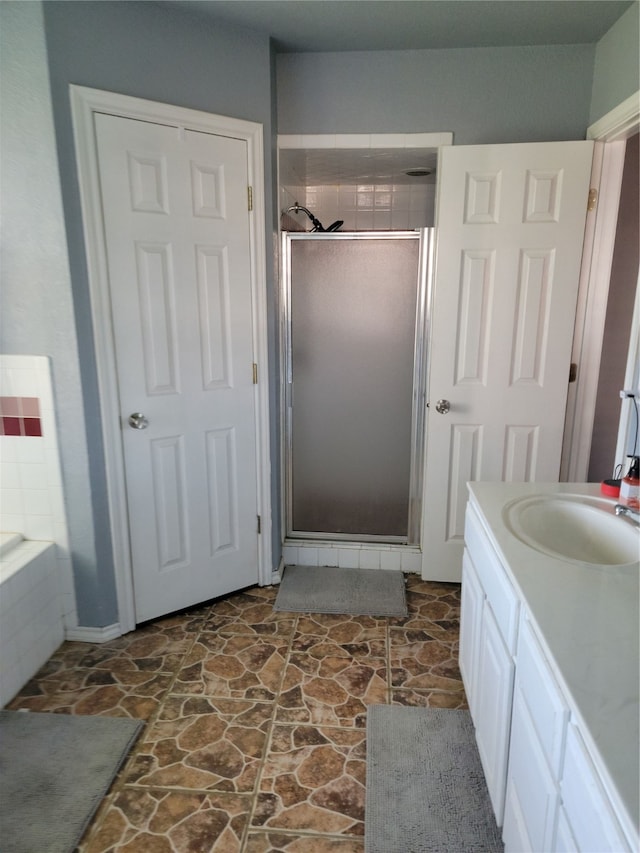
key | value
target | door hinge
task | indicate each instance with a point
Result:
(573, 371)
(592, 200)
(259, 524)
(255, 373)
(250, 197)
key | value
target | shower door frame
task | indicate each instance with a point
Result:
(426, 238)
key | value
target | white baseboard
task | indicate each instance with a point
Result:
(93, 635)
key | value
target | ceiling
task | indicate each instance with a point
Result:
(345, 25)
(339, 25)
(376, 166)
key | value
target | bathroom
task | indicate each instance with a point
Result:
(46, 300)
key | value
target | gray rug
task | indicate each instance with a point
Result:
(425, 786)
(357, 592)
(54, 771)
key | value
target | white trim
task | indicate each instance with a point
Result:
(610, 133)
(631, 382)
(620, 123)
(364, 140)
(84, 103)
(600, 234)
(94, 635)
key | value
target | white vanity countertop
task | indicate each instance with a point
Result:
(588, 617)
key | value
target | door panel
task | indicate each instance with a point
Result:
(510, 224)
(177, 235)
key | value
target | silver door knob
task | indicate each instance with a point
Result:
(443, 406)
(138, 421)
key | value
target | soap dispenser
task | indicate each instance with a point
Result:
(630, 485)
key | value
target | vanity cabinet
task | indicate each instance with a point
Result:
(543, 779)
(471, 601)
(488, 632)
(591, 819)
(538, 731)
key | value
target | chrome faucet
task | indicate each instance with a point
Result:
(632, 514)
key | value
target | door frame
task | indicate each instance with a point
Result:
(84, 103)
(610, 134)
(426, 241)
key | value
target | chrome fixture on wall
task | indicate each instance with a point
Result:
(317, 225)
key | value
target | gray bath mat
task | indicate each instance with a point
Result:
(54, 771)
(357, 592)
(426, 792)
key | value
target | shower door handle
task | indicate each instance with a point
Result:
(443, 406)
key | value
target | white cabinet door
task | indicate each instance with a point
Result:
(532, 798)
(564, 840)
(472, 598)
(494, 693)
(588, 809)
(510, 225)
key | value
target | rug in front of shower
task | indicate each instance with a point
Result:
(354, 592)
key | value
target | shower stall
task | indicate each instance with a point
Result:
(355, 328)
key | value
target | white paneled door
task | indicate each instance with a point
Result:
(510, 224)
(177, 236)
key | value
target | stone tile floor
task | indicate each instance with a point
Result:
(255, 719)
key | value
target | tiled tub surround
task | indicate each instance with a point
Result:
(32, 505)
(255, 719)
(31, 626)
(363, 207)
(20, 416)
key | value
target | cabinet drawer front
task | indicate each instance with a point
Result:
(542, 696)
(589, 813)
(496, 585)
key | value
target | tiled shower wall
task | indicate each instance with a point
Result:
(31, 495)
(363, 207)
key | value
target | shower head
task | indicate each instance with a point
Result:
(317, 225)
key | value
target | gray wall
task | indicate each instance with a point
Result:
(36, 303)
(616, 73)
(482, 95)
(144, 50)
(153, 52)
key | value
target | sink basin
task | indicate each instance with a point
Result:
(577, 528)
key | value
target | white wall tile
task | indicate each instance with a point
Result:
(11, 502)
(307, 556)
(37, 502)
(390, 560)
(327, 556)
(9, 475)
(369, 559)
(39, 527)
(290, 555)
(411, 562)
(349, 558)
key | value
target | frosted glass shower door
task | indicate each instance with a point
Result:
(353, 303)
